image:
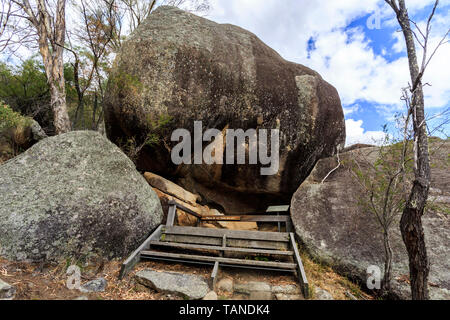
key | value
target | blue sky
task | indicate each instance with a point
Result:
(368, 66)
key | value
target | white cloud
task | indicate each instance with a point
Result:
(357, 135)
(399, 45)
(288, 25)
(351, 109)
(349, 63)
(345, 58)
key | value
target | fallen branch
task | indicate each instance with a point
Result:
(338, 166)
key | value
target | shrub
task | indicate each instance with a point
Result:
(10, 119)
(14, 133)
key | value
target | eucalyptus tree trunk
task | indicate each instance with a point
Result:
(54, 62)
(55, 76)
(51, 33)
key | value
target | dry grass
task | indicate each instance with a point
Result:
(38, 282)
(324, 277)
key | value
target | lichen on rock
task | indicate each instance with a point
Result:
(193, 69)
(336, 230)
(74, 195)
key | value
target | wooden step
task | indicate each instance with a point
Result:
(230, 234)
(233, 243)
(221, 241)
(253, 218)
(229, 261)
(222, 249)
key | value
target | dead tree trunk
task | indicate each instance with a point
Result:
(411, 222)
(387, 264)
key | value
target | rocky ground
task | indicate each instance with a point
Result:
(29, 281)
(37, 281)
(48, 282)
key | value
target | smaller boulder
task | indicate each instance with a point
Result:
(225, 285)
(287, 290)
(337, 228)
(97, 285)
(288, 297)
(7, 291)
(75, 195)
(188, 286)
(212, 296)
(253, 286)
(37, 132)
(321, 294)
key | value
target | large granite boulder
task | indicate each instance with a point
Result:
(71, 196)
(335, 228)
(177, 68)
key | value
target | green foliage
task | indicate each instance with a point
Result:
(262, 259)
(24, 88)
(157, 130)
(384, 182)
(10, 119)
(126, 84)
(12, 128)
(69, 77)
(23, 83)
(86, 83)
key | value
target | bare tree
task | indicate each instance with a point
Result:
(12, 30)
(5, 16)
(384, 182)
(138, 10)
(411, 222)
(45, 22)
(97, 37)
